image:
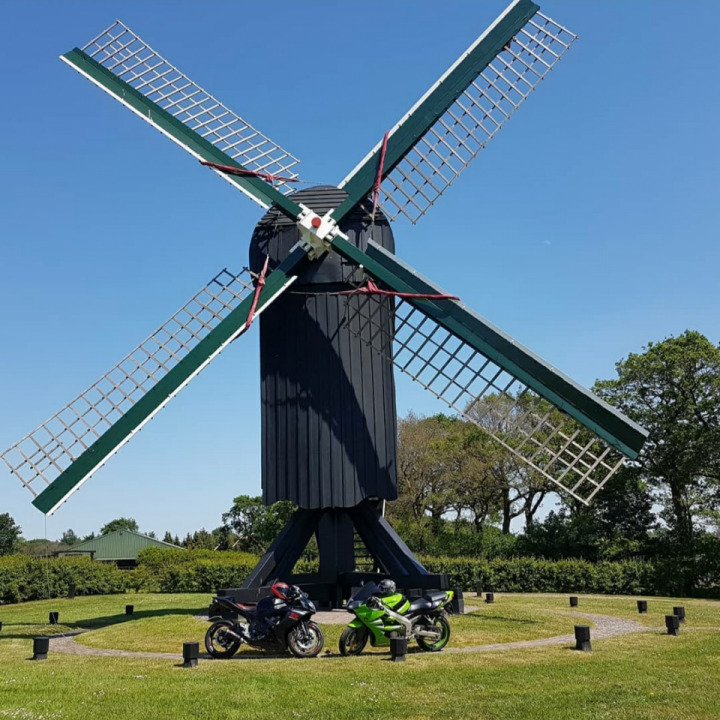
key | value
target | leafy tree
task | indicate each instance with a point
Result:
(91, 536)
(673, 390)
(511, 419)
(168, 538)
(224, 538)
(69, 537)
(119, 524)
(9, 534)
(200, 540)
(255, 524)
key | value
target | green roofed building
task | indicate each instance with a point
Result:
(121, 547)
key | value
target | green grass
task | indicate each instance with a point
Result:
(643, 676)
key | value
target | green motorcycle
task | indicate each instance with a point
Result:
(381, 613)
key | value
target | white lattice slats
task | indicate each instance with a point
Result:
(57, 457)
(120, 51)
(555, 426)
(470, 103)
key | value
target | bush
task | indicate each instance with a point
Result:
(535, 575)
(27, 578)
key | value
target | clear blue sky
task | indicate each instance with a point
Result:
(588, 227)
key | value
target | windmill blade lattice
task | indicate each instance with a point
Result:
(481, 107)
(79, 438)
(559, 429)
(549, 441)
(119, 50)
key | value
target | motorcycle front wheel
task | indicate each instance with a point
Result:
(305, 640)
(443, 626)
(353, 641)
(218, 642)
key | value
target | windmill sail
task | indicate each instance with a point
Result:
(126, 67)
(436, 140)
(57, 457)
(557, 427)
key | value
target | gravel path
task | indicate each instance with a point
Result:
(604, 626)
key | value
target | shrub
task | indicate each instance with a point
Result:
(537, 575)
(27, 578)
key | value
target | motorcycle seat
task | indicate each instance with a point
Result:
(437, 596)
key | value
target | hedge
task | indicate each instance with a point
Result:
(24, 578)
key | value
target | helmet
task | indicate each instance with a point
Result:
(281, 590)
(387, 587)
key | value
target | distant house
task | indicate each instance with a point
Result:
(121, 547)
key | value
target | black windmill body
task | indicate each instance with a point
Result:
(328, 399)
(338, 311)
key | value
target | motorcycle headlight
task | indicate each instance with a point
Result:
(311, 605)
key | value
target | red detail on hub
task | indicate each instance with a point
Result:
(316, 222)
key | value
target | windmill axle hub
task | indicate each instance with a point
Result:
(317, 232)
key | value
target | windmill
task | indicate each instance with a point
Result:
(339, 313)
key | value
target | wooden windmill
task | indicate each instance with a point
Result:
(338, 312)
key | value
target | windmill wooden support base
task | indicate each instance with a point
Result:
(337, 576)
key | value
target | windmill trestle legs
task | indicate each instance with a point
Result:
(337, 574)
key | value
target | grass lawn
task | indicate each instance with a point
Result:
(647, 675)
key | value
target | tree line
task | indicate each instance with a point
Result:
(462, 493)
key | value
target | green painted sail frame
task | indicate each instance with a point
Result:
(605, 421)
(167, 387)
(177, 131)
(433, 104)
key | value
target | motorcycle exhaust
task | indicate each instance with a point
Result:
(434, 634)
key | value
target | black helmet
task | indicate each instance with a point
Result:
(387, 587)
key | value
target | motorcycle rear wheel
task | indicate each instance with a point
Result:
(307, 641)
(353, 641)
(217, 641)
(443, 626)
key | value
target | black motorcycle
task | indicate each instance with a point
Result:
(280, 621)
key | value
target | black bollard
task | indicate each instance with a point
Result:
(41, 645)
(398, 649)
(54, 618)
(489, 598)
(478, 590)
(573, 601)
(680, 612)
(71, 591)
(458, 603)
(129, 609)
(642, 606)
(191, 652)
(582, 638)
(672, 623)
(0, 627)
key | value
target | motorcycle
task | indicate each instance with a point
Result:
(381, 613)
(280, 621)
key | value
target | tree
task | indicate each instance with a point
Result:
(69, 537)
(673, 390)
(255, 524)
(200, 540)
(512, 419)
(446, 465)
(168, 538)
(119, 524)
(9, 534)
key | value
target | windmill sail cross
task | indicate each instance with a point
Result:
(436, 140)
(555, 426)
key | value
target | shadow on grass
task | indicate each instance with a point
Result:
(502, 618)
(25, 631)
(105, 620)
